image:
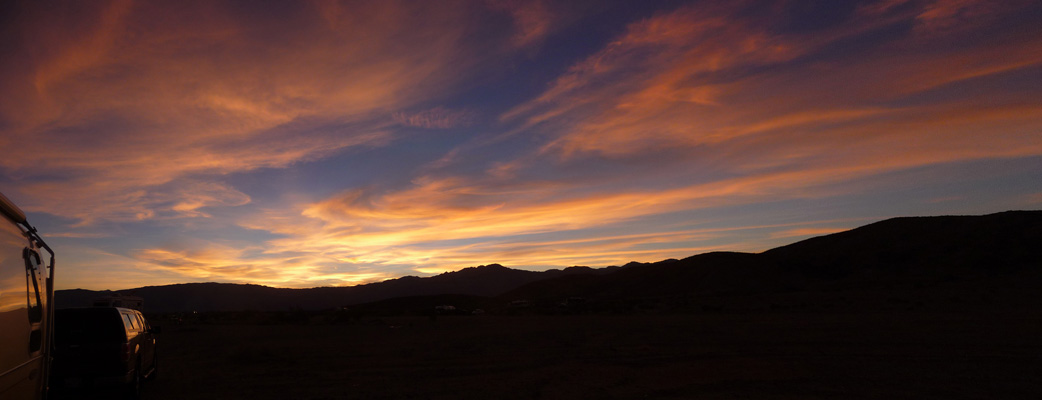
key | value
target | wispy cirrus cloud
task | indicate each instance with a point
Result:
(948, 15)
(278, 139)
(144, 94)
(532, 20)
(436, 118)
(440, 225)
(212, 262)
(660, 85)
(691, 90)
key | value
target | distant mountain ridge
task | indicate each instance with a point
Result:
(924, 250)
(485, 280)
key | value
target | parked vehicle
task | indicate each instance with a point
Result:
(103, 348)
(26, 291)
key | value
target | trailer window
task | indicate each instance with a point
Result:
(33, 290)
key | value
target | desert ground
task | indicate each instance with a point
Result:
(705, 356)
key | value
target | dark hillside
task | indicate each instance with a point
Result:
(901, 260)
(930, 246)
(488, 280)
(710, 273)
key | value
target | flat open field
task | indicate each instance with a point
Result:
(890, 311)
(755, 356)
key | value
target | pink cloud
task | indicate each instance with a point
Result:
(141, 95)
(652, 89)
(141, 111)
(533, 19)
(948, 15)
(436, 118)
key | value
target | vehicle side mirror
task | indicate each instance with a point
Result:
(155, 330)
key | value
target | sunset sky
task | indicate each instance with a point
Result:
(302, 144)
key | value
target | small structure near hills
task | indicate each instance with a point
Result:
(120, 300)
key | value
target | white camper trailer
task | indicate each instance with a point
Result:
(26, 291)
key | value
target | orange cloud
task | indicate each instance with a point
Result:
(205, 194)
(702, 40)
(805, 121)
(878, 8)
(690, 90)
(1032, 201)
(533, 19)
(453, 229)
(146, 94)
(948, 15)
(652, 90)
(213, 262)
(667, 95)
(436, 118)
(146, 111)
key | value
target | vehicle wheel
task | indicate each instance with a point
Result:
(134, 387)
(155, 368)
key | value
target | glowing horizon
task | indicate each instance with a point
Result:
(304, 144)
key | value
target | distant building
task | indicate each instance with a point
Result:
(118, 300)
(573, 302)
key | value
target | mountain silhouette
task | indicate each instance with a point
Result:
(948, 261)
(484, 281)
(955, 259)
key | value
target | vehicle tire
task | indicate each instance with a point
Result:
(133, 390)
(155, 368)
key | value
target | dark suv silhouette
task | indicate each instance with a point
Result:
(102, 348)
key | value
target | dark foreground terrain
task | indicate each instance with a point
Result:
(906, 308)
(787, 355)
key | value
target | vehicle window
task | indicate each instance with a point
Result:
(141, 323)
(129, 322)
